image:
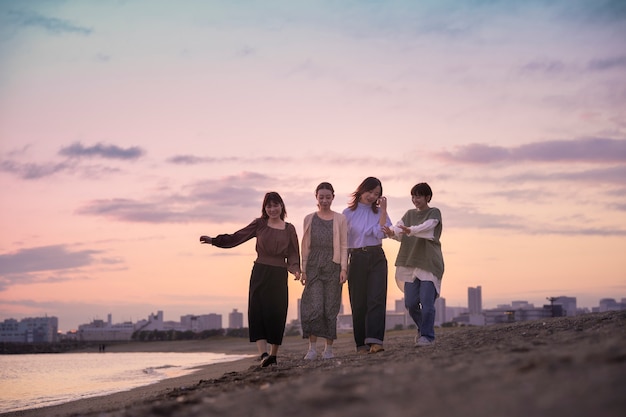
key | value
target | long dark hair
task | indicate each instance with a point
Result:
(273, 197)
(368, 184)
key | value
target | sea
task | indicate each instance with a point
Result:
(39, 380)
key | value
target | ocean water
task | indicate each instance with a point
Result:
(33, 381)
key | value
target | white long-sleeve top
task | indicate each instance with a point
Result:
(404, 274)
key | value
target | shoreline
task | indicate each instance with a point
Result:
(565, 366)
(119, 400)
(123, 399)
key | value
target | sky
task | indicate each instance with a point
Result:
(130, 128)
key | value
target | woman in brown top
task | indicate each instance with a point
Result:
(277, 254)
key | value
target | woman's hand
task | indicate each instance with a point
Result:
(388, 231)
(300, 276)
(343, 277)
(206, 239)
(382, 203)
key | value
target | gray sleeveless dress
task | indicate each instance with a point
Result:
(321, 298)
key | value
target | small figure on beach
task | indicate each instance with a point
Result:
(278, 253)
(367, 265)
(324, 270)
(419, 264)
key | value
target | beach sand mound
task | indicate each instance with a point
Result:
(574, 366)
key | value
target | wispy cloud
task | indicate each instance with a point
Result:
(245, 161)
(78, 150)
(594, 150)
(544, 66)
(216, 200)
(44, 258)
(609, 175)
(50, 24)
(201, 160)
(136, 211)
(547, 66)
(32, 171)
(608, 63)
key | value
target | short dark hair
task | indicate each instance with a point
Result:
(422, 189)
(273, 197)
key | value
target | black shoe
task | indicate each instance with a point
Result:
(270, 360)
(263, 356)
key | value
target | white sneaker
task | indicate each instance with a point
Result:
(310, 355)
(327, 354)
(423, 341)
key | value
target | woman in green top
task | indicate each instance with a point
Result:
(419, 265)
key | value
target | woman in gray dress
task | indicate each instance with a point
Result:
(324, 270)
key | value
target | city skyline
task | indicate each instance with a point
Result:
(126, 134)
(398, 304)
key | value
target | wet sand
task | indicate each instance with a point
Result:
(573, 366)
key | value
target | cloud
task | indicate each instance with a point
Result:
(216, 200)
(50, 24)
(44, 258)
(341, 160)
(136, 211)
(201, 160)
(546, 66)
(614, 175)
(31, 171)
(557, 67)
(595, 150)
(190, 160)
(608, 63)
(77, 150)
(35, 171)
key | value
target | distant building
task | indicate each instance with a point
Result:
(396, 320)
(568, 305)
(101, 331)
(440, 311)
(520, 305)
(200, 323)
(30, 330)
(235, 319)
(609, 304)
(154, 322)
(344, 323)
(475, 300)
(517, 311)
(454, 312)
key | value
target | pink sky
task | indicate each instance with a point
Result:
(128, 129)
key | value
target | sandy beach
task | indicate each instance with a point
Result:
(572, 366)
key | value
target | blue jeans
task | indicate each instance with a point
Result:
(419, 299)
(367, 285)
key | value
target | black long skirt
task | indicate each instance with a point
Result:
(268, 300)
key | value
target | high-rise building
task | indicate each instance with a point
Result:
(475, 300)
(235, 319)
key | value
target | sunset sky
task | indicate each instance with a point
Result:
(130, 128)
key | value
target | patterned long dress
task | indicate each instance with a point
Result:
(321, 298)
